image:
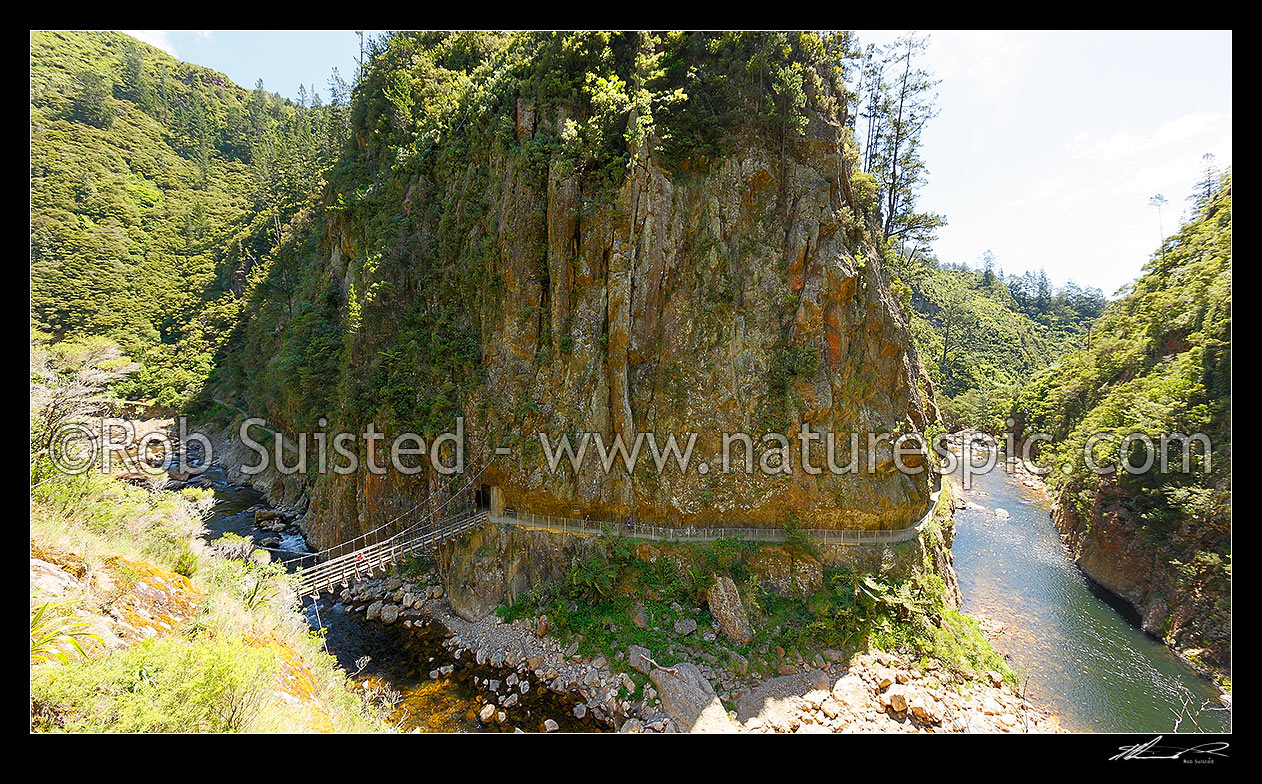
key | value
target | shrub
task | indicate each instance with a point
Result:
(186, 564)
(159, 685)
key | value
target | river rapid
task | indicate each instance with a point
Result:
(394, 661)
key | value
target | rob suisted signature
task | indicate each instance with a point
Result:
(1151, 750)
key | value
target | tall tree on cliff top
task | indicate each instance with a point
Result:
(869, 95)
(904, 106)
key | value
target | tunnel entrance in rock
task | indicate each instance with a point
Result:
(488, 498)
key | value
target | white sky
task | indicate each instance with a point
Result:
(1049, 145)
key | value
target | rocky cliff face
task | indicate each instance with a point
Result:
(741, 295)
(667, 309)
(1179, 601)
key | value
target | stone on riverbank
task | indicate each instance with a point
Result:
(689, 699)
(638, 657)
(728, 611)
(685, 626)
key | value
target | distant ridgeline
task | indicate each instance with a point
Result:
(1158, 363)
(157, 187)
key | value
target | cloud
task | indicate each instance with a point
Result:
(162, 39)
(159, 38)
(990, 62)
(1123, 145)
(1088, 208)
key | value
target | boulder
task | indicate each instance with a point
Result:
(728, 611)
(895, 698)
(689, 699)
(925, 708)
(638, 657)
(685, 626)
(851, 691)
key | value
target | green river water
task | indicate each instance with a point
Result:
(1080, 647)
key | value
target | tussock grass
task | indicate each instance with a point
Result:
(246, 662)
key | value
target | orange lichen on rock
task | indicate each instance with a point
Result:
(148, 600)
(295, 685)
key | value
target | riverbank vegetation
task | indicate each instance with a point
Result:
(636, 593)
(171, 635)
(1159, 362)
(136, 624)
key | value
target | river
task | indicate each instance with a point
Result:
(396, 660)
(1080, 647)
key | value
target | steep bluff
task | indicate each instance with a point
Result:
(1176, 596)
(508, 280)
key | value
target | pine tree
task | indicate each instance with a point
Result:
(1043, 296)
(134, 85)
(908, 105)
(869, 97)
(1159, 201)
(1208, 183)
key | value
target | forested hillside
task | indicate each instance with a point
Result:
(981, 335)
(156, 187)
(1159, 362)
